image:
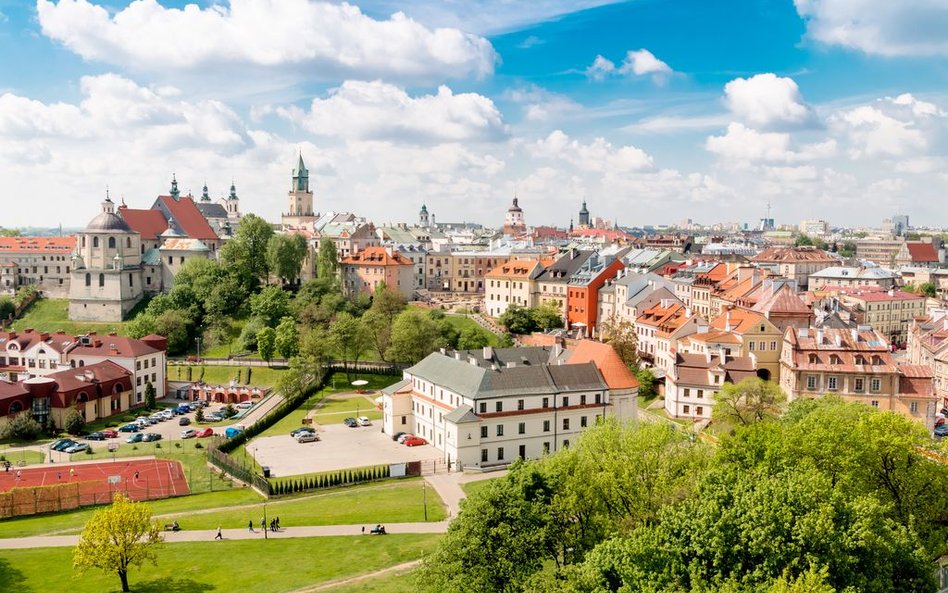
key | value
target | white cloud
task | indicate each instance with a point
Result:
(540, 105)
(640, 62)
(378, 110)
(600, 68)
(767, 100)
(741, 143)
(530, 41)
(668, 124)
(882, 27)
(598, 156)
(312, 38)
(874, 133)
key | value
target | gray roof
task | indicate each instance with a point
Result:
(462, 415)
(107, 221)
(211, 210)
(396, 386)
(564, 267)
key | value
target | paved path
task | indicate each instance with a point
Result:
(53, 541)
(362, 577)
(448, 487)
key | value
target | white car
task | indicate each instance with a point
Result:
(244, 405)
(307, 437)
(364, 421)
(188, 434)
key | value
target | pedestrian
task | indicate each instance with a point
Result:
(219, 534)
(72, 472)
(363, 530)
(59, 475)
(250, 526)
(263, 524)
(18, 474)
(277, 522)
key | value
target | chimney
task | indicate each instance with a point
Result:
(688, 312)
(727, 321)
(488, 353)
(855, 334)
(722, 357)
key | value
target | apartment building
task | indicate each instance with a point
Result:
(928, 346)
(890, 312)
(795, 263)
(660, 328)
(695, 380)
(852, 277)
(41, 261)
(512, 283)
(553, 281)
(371, 267)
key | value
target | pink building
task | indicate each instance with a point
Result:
(364, 271)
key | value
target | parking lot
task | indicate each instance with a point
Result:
(339, 447)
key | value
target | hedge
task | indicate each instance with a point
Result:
(345, 477)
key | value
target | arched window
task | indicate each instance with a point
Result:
(72, 363)
(128, 242)
(88, 279)
(83, 240)
(813, 359)
(16, 407)
(82, 397)
(101, 280)
(117, 388)
(95, 241)
(82, 363)
(111, 242)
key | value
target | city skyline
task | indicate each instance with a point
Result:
(653, 112)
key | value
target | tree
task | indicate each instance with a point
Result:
(23, 427)
(266, 343)
(378, 331)
(848, 249)
(646, 379)
(150, 395)
(518, 320)
(271, 304)
(620, 334)
(248, 335)
(287, 338)
(140, 326)
(473, 338)
(547, 316)
(118, 537)
(7, 308)
(928, 289)
(327, 262)
(349, 339)
(285, 255)
(749, 401)
(74, 422)
(173, 325)
(415, 335)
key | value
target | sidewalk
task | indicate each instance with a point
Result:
(54, 541)
(448, 487)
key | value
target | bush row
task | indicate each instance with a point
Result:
(330, 480)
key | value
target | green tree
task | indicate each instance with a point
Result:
(248, 335)
(140, 326)
(505, 341)
(287, 339)
(246, 254)
(150, 395)
(173, 325)
(118, 537)
(7, 308)
(285, 254)
(749, 401)
(23, 427)
(271, 304)
(518, 320)
(547, 316)
(848, 249)
(415, 335)
(327, 261)
(620, 334)
(74, 422)
(266, 343)
(473, 338)
(928, 289)
(349, 339)
(646, 379)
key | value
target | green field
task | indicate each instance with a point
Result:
(222, 375)
(51, 315)
(460, 322)
(470, 488)
(27, 457)
(391, 582)
(262, 566)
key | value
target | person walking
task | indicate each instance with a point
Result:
(72, 472)
(250, 526)
(219, 535)
(263, 523)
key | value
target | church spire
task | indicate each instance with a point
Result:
(233, 191)
(174, 187)
(204, 196)
(301, 176)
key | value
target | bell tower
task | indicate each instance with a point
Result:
(300, 211)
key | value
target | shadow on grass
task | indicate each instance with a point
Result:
(12, 579)
(171, 585)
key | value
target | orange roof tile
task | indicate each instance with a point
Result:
(614, 371)
(38, 244)
(376, 256)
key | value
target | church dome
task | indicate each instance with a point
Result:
(108, 221)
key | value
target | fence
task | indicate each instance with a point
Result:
(33, 500)
(229, 465)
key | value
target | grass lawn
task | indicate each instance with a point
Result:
(28, 457)
(392, 582)
(222, 375)
(370, 413)
(470, 488)
(51, 315)
(73, 521)
(235, 566)
(460, 322)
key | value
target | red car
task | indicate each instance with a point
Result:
(109, 433)
(415, 441)
(207, 432)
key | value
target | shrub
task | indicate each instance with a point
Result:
(22, 428)
(74, 422)
(198, 445)
(89, 451)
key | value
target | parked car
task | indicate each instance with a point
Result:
(151, 437)
(233, 431)
(135, 438)
(244, 405)
(415, 441)
(213, 417)
(307, 437)
(130, 427)
(364, 421)
(401, 439)
(941, 431)
(350, 422)
(297, 432)
(61, 444)
(110, 433)
(188, 434)
(184, 421)
(397, 435)
(95, 436)
(183, 409)
(206, 432)
(77, 448)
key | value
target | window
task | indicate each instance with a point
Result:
(685, 409)
(483, 455)
(546, 426)
(546, 447)
(582, 421)
(701, 394)
(500, 430)
(565, 401)
(95, 241)
(404, 420)
(598, 398)
(483, 432)
(519, 404)
(875, 384)
(565, 423)
(811, 383)
(750, 346)
(913, 407)
(499, 407)
(500, 453)
(523, 452)
(773, 345)
(101, 280)
(522, 428)
(88, 279)
(859, 384)
(111, 242)
(699, 410)
(546, 402)
(131, 280)
(875, 403)
(483, 407)
(582, 400)
(566, 443)
(832, 383)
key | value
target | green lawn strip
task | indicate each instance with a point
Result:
(470, 488)
(230, 566)
(389, 582)
(223, 375)
(461, 323)
(386, 502)
(338, 404)
(27, 457)
(51, 315)
(338, 418)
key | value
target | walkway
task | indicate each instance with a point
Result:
(58, 541)
(448, 487)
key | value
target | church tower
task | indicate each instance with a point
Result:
(584, 216)
(513, 221)
(232, 205)
(300, 212)
(423, 216)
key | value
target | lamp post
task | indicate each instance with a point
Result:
(198, 340)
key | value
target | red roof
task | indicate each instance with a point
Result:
(113, 346)
(188, 217)
(147, 223)
(38, 244)
(614, 371)
(376, 256)
(880, 296)
(922, 252)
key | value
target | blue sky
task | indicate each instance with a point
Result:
(654, 111)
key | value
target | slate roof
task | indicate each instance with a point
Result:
(396, 387)
(563, 268)
(211, 210)
(461, 415)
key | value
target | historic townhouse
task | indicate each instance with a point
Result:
(853, 278)
(366, 270)
(512, 283)
(795, 263)
(695, 380)
(660, 328)
(486, 408)
(41, 261)
(928, 346)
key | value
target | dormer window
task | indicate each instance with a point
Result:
(860, 359)
(814, 359)
(834, 359)
(876, 359)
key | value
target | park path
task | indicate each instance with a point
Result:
(358, 579)
(58, 541)
(448, 487)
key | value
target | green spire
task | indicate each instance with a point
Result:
(301, 176)
(204, 196)
(233, 192)
(174, 187)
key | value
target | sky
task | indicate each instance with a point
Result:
(653, 111)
